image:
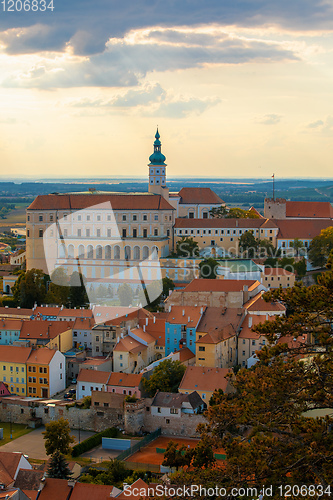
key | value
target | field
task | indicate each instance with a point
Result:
(149, 455)
(18, 430)
(15, 217)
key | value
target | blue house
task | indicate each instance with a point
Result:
(181, 326)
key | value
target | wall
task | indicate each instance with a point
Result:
(57, 373)
(275, 209)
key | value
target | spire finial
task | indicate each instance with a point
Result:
(157, 135)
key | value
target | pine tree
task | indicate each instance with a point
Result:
(58, 467)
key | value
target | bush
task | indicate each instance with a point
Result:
(93, 441)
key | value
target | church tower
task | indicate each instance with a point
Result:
(157, 170)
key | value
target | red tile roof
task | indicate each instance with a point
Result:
(86, 491)
(83, 324)
(318, 209)
(185, 315)
(304, 229)
(257, 303)
(224, 223)
(41, 356)
(117, 201)
(55, 489)
(185, 354)
(218, 324)
(197, 195)
(11, 324)
(44, 329)
(277, 271)
(197, 378)
(47, 311)
(157, 329)
(93, 376)
(124, 379)
(207, 285)
(7, 312)
(76, 313)
(249, 322)
(128, 344)
(8, 466)
(14, 354)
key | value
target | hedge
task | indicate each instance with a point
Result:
(93, 441)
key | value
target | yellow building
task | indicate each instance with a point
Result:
(276, 277)
(216, 337)
(46, 372)
(134, 352)
(13, 368)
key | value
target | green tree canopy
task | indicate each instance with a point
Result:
(166, 377)
(175, 457)
(187, 247)
(58, 467)
(248, 244)
(320, 247)
(58, 437)
(30, 288)
(58, 291)
(208, 268)
(77, 290)
(125, 294)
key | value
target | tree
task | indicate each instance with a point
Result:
(30, 288)
(264, 426)
(166, 377)
(77, 290)
(248, 244)
(58, 467)
(218, 213)
(239, 213)
(267, 249)
(187, 247)
(115, 474)
(300, 268)
(167, 285)
(58, 291)
(203, 454)
(177, 457)
(208, 268)
(57, 437)
(125, 294)
(320, 247)
(297, 245)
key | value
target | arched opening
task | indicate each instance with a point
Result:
(108, 252)
(7, 290)
(70, 251)
(81, 252)
(145, 253)
(90, 252)
(136, 253)
(116, 252)
(127, 252)
(154, 253)
(99, 252)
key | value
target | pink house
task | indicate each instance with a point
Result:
(125, 383)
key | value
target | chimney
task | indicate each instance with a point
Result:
(245, 293)
(144, 328)
(146, 321)
(154, 320)
(250, 321)
(188, 319)
(201, 310)
(183, 312)
(71, 483)
(169, 309)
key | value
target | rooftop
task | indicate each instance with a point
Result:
(112, 201)
(304, 229)
(199, 195)
(224, 223)
(176, 400)
(257, 303)
(219, 324)
(207, 285)
(93, 376)
(318, 209)
(8, 466)
(41, 356)
(14, 354)
(197, 378)
(125, 379)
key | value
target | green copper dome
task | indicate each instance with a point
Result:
(157, 158)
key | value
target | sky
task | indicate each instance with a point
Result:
(238, 88)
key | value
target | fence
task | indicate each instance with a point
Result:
(140, 444)
(139, 466)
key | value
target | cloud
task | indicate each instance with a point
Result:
(125, 61)
(86, 26)
(184, 107)
(270, 119)
(316, 124)
(324, 127)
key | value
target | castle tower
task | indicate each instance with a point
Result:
(157, 170)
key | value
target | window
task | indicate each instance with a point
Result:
(109, 217)
(124, 218)
(65, 233)
(155, 232)
(243, 353)
(40, 369)
(4, 368)
(202, 348)
(40, 233)
(45, 380)
(158, 410)
(98, 233)
(45, 370)
(145, 217)
(88, 217)
(51, 218)
(97, 338)
(156, 217)
(60, 376)
(106, 405)
(167, 421)
(40, 218)
(96, 403)
(124, 233)
(28, 217)
(135, 233)
(30, 389)
(28, 233)
(98, 218)
(33, 380)
(203, 396)
(191, 215)
(40, 380)
(145, 233)
(87, 233)
(83, 387)
(34, 390)
(173, 411)
(121, 356)
(253, 342)
(60, 366)
(124, 391)
(135, 217)
(205, 215)
(79, 217)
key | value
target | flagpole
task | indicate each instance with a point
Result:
(273, 188)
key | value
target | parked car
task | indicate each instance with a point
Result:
(67, 395)
(73, 381)
(72, 391)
